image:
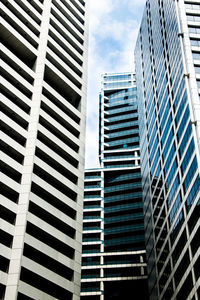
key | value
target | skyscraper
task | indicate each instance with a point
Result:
(167, 59)
(43, 95)
(113, 260)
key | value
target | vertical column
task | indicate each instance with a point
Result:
(21, 218)
(79, 220)
(102, 237)
(102, 290)
(193, 98)
(102, 212)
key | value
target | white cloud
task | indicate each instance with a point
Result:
(136, 3)
(98, 11)
(101, 7)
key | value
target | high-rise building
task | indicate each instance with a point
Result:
(113, 260)
(43, 95)
(167, 59)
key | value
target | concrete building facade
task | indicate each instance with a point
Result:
(167, 59)
(113, 259)
(43, 99)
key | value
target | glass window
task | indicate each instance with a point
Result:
(190, 175)
(169, 159)
(187, 157)
(167, 146)
(195, 43)
(198, 84)
(183, 122)
(178, 95)
(192, 6)
(175, 207)
(193, 18)
(181, 107)
(117, 77)
(163, 139)
(196, 55)
(173, 190)
(185, 140)
(192, 194)
(172, 172)
(197, 69)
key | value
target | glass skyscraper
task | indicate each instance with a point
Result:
(113, 260)
(167, 59)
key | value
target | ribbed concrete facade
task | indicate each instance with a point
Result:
(43, 96)
(114, 258)
(167, 59)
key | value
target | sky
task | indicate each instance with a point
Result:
(113, 31)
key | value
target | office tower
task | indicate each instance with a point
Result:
(113, 260)
(167, 59)
(43, 95)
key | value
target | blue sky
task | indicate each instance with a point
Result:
(113, 32)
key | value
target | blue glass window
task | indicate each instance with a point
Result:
(156, 158)
(192, 6)
(177, 98)
(166, 130)
(187, 157)
(167, 146)
(196, 55)
(150, 112)
(117, 84)
(197, 69)
(153, 136)
(163, 103)
(193, 18)
(192, 194)
(185, 140)
(162, 90)
(169, 159)
(165, 117)
(181, 107)
(198, 84)
(175, 207)
(117, 77)
(183, 122)
(177, 79)
(149, 100)
(172, 172)
(152, 123)
(154, 149)
(157, 173)
(190, 175)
